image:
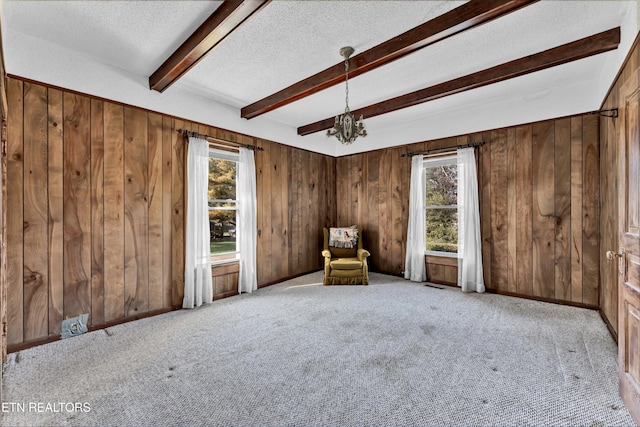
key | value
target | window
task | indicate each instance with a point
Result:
(441, 204)
(223, 206)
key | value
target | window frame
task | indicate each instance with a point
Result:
(225, 257)
(449, 159)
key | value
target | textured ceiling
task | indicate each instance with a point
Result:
(290, 40)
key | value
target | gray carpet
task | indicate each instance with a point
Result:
(300, 354)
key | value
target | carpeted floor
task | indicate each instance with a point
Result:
(301, 354)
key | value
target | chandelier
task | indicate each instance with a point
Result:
(346, 128)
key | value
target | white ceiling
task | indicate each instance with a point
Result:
(110, 48)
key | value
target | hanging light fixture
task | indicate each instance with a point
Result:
(346, 128)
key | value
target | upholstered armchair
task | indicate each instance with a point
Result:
(345, 265)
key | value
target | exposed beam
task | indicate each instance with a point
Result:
(588, 46)
(458, 20)
(222, 22)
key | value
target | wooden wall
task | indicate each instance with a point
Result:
(3, 217)
(95, 209)
(611, 131)
(442, 270)
(96, 199)
(296, 190)
(372, 191)
(539, 199)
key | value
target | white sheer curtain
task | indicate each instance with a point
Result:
(414, 267)
(198, 287)
(469, 245)
(247, 220)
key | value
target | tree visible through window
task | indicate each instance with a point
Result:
(222, 206)
(441, 204)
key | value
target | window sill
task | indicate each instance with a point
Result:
(224, 261)
(441, 254)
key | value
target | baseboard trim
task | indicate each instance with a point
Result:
(40, 341)
(612, 331)
(543, 299)
(225, 295)
(274, 282)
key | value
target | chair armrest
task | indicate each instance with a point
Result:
(362, 254)
(326, 254)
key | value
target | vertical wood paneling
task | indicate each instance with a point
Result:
(167, 263)
(342, 170)
(264, 214)
(576, 209)
(385, 230)
(357, 195)
(295, 224)
(114, 196)
(324, 199)
(261, 223)
(97, 212)
(396, 212)
(543, 209)
(405, 173)
(372, 209)
(285, 155)
(562, 192)
(136, 212)
(14, 203)
(485, 209)
(177, 213)
(295, 193)
(104, 189)
(331, 189)
(590, 219)
(512, 219)
(56, 214)
(435, 273)
(155, 197)
(610, 132)
(499, 229)
(277, 224)
(527, 189)
(524, 210)
(308, 210)
(114, 214)
(315, 243)
(77, 205)
(35, 211)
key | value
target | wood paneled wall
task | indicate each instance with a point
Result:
(611, 131)
(296, 199)
(539, 206)
(3, 215)
(95, 211)
(96, 199)
(372, 191)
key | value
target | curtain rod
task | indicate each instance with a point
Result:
(199, 135)
(436, 150)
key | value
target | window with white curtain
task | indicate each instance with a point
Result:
(441, 205)
(223, 205)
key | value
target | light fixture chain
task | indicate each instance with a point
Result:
(346, 73)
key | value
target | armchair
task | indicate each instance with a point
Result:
(345, 266)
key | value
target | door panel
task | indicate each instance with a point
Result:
(631, 165)
(632, 332)
(629, 255)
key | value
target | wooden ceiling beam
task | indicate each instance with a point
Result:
(458, 20)
(222, 22)
(588, 46)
